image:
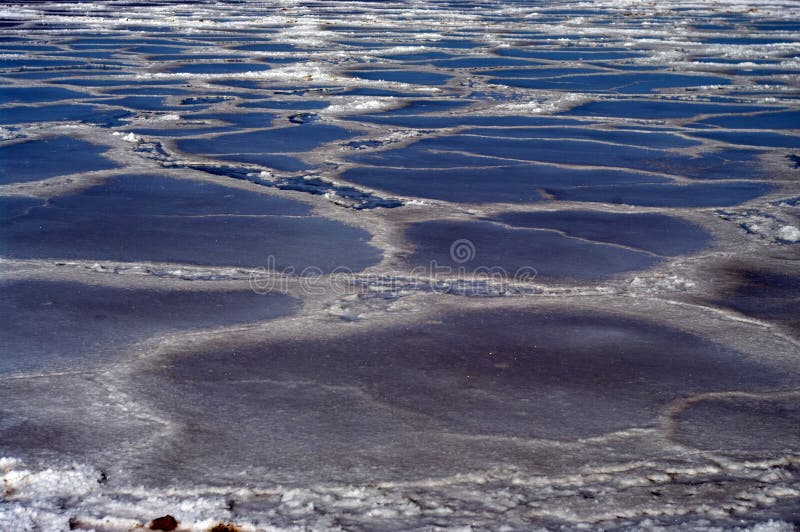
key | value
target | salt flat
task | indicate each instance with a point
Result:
(400, 265)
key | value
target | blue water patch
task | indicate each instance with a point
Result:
(152, 195)
(217, 68)
(428, 122)
(421, 56)
(776, 120)
(38, 94)
(633, 83)
(156, 49)
(567, 55)
(286, 104)
(656, 233)
(40, 159)
(50, 76)
(522, 183)
(90, 54)
(66, 112)
(266, 147)
(752, 138)
(481, 62)
(538, 72)
(747, 40)
(761, 72)
(415, 77)
(116, 42)
(28, 62)
(193, 57)
(281, 140)
(15, 206)
(549, 254)
(151, 218)
(658, 195)
(650, 139)
(447, 151)
(776, 25)
(459, 44)
(277, 161)
(14, 48)
(657, 109)
(111, 82)
(147, 91)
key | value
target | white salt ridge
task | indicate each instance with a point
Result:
(546, 103)
(79, 495)
(303, 72)
(361, 105)
(788, 234)
(309, 34)
(128, 137)
(6, 134)
(155, 119)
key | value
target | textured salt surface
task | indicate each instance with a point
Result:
(56, 325)
(351, 401)
(741, 422)
(399, 266)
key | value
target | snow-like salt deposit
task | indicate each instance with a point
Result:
(361, 105)
(789, 234)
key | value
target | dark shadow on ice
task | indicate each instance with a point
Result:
(763, 294)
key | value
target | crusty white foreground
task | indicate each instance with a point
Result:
(325, 265)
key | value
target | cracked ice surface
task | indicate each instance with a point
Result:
(412, 265)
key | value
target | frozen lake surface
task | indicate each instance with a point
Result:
(416, 265)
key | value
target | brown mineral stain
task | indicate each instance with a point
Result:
(166, 522)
